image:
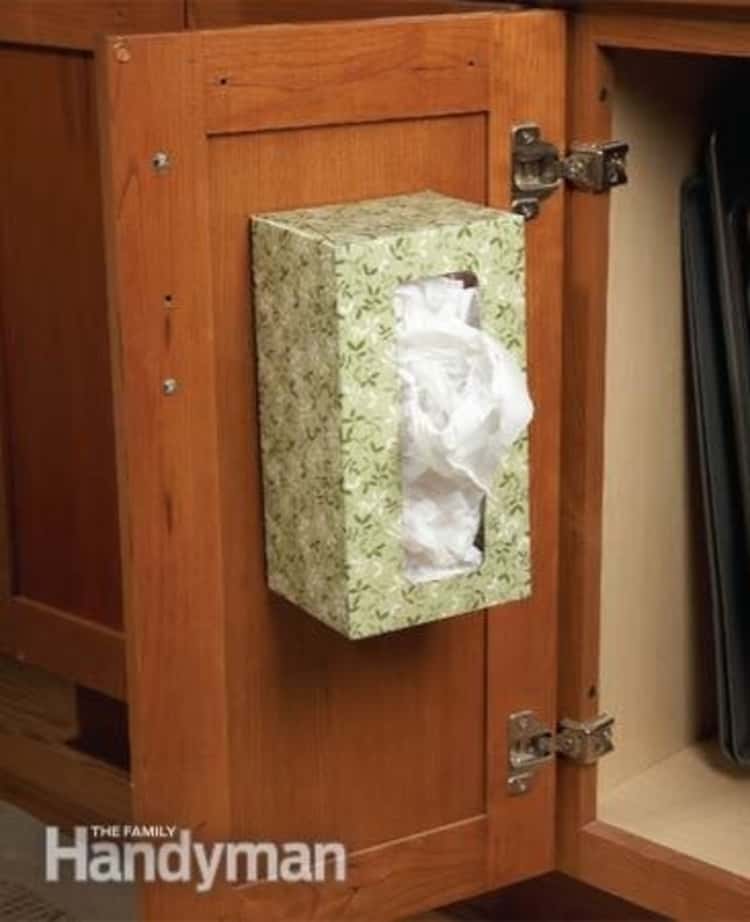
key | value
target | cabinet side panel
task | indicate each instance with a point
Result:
(58, 431)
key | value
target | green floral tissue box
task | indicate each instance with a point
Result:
(356, 310)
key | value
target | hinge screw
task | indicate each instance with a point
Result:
(616, 171)
(169, 387)
(526, 208)
(518, 785)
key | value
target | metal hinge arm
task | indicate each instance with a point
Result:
(531, 744)
(538, 169)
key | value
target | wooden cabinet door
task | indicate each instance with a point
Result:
(249, 719)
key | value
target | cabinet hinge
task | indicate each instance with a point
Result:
(531, 744)
(538, 169)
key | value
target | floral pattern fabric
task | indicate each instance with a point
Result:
(324, 281)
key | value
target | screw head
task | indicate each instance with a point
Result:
(527, 209)
(576, 168)
(169, 387)
(518, 785)
(161, 161)
(122, 52)
(616, 171)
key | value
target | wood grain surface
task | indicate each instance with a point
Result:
(60, 541)
(393, 745)
(75, 24)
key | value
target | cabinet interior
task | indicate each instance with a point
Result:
(667, 780)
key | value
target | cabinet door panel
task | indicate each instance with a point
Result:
(248, 718)
(319, 718)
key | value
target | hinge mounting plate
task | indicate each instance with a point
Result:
(538, 169)
(586, 741)
(531, 744)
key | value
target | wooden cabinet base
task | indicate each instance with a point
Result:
(42, 769)
(661, 879)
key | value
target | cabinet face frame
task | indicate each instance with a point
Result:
(596, 852)
(186, 604)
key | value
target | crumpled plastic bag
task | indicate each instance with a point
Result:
(464, 403)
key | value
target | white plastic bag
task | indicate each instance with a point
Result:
(464, 403)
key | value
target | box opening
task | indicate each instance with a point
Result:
(443, 516)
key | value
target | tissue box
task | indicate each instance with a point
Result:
(330, 407)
